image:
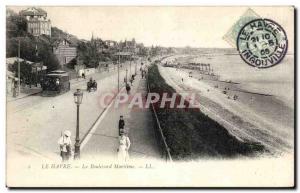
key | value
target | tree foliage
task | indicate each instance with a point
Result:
(91, 54)
(15, 26)
(25, 70)
(35, 49)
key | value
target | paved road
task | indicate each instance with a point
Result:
(35, 123)
(36, 99)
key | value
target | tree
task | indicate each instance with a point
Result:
(33, 49)
(72, 63)
(25, 70)
(15, 26)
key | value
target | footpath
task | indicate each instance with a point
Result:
(104, 142)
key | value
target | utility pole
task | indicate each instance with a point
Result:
(119, 73)
(135, 67)
(130, 67)
(19, 70)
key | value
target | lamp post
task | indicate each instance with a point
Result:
(126, 75)
(19, 67)
(119, 72)
(135, 64)
(77, 99)
(130, 66)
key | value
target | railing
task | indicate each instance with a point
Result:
(159, 134)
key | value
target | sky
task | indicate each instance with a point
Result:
(164, 26)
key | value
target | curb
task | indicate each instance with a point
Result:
(14, 99)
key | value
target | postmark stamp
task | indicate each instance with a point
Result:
(262, 43)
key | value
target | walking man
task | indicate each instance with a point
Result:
(128, 88)
(65, 145)
(121, 125)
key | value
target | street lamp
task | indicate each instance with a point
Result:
(130, 67)
(119, 70)
(126, 75)
(77, 99)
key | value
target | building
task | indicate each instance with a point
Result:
(64, 50)
(129, 46)
(37, 22)
(98, 44)
(111, 43)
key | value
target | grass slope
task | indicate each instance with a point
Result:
(190, 134)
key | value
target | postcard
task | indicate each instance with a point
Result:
(150, 96)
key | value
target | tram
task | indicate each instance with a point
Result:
(55, 83)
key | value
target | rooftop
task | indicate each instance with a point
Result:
(33, 11)
(12, 60)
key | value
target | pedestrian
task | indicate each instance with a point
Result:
(57, 82)
(16, 84)
(90, 84)
(124, 145)
(83, 75)
(65, 146)
(121, 125)
(128, 88)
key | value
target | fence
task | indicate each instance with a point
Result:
(159, 134)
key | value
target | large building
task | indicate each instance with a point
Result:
(64, 50)
(37, 22)
(129, 46)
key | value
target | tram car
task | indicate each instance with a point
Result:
(55, 83)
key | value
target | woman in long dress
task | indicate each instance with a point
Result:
(123, 155)
(65, 145)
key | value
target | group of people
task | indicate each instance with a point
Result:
(91, 84)
(65, 143)
(124, 142)
(128, 88)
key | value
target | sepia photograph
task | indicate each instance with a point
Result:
(150, 96)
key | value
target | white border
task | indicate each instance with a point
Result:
(296, 3)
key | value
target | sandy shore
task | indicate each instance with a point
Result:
(253, 117)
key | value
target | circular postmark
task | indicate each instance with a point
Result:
(262, 43)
